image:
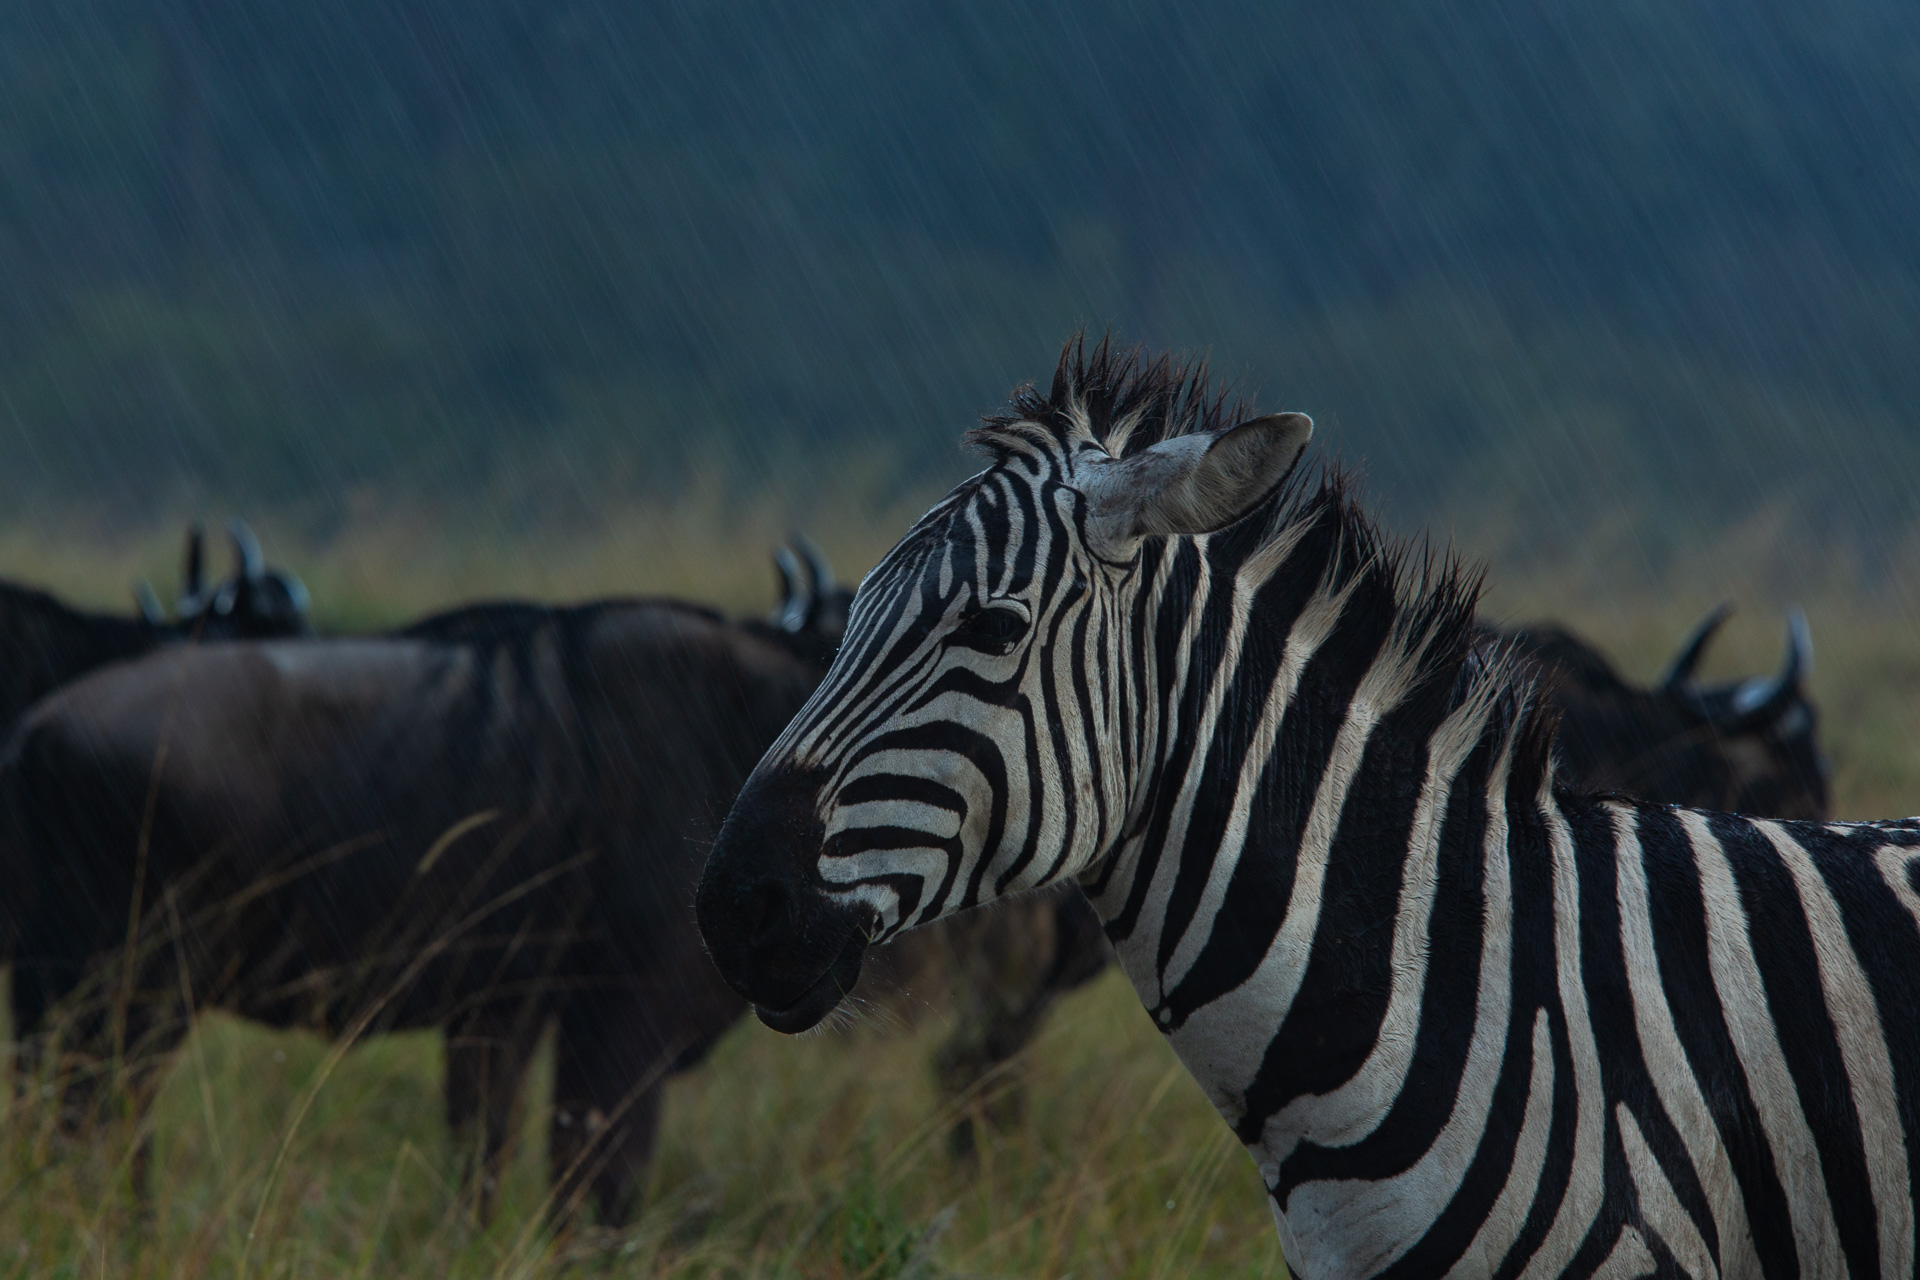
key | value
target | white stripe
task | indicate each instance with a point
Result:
(1586, 1184)
(1630, 1258)
(1143, 945)
(1674, 1080)
(1893, 861)
(1661, 1208)
(1143, 717)
(1383, 1219)
(1078, 776)
(1856, 1021)
(1509, 1212)
(1315, 624)
(831, 703)
(1215, 1042)
(1743, 1000)
(1349, 1113)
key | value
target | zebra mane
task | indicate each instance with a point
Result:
(1316, 526)
(1122, 398)
(1125, 401)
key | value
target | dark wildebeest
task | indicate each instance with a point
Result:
(1745, 746)
(44, 643)
(489, 821)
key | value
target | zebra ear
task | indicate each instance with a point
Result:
(1191, 484)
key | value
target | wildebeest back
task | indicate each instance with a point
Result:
(393, 827)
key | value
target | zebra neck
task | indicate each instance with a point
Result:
(1272, 903)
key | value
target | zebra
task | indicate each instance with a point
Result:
(1466, 1019)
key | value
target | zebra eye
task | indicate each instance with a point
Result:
(994, 629)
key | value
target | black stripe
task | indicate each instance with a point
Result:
(1027, 549)
(1447, 1240)
(1536, 986)
(1256, 899)
(981, 752)
(1886, 942)
(1066, 804)
(1158, 624)
(1279, 603)
(876, 787)
(1680, 941)
(1334, 1022)
(1083, 675)
(1180, 714)
(1623, 1070)
(881, 667)
(1790, 972)
(1444, 1036)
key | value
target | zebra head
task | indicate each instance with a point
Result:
(975, 734)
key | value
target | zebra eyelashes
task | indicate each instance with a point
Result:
(992, 629)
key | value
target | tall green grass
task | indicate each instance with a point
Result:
(823, 1156)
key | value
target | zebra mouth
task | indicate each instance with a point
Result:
(820, 999)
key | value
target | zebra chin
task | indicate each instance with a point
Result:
(770, 927)
(822, 998)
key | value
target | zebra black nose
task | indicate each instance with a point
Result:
(772, 902)
(775, 935)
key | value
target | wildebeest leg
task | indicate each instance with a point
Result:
(606, 1111)
(1010, 966)
(486, 1060)
(1001, 963)
(98, 1085)
(60, 1042)
(152, 1031)
(26, 1005)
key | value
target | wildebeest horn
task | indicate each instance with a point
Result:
(784, 566)
(150, 607)
(819, 572)
(246, 550)
(796, 598)
(195, 571)
(1680, 670)
(1764, 700)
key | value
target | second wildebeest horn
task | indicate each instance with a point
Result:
(796, 598)
(1764, 700)
(819, 572)
(1680, 670)
(149, 603)
(819, 582)
(248, 561)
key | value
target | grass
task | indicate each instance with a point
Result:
(823, 1156)
(817, 1157)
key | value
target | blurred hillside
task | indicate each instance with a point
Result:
(1636, 272)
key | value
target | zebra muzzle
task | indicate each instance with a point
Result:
(822, 997)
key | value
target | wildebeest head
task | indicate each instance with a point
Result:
(1747, 746)
(812, 612)
(44, 643)
(254, 602)
(1765, 724)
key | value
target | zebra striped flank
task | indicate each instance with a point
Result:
(1467, 1020)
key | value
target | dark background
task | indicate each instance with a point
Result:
(1544, 269)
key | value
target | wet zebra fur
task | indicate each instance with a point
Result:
(1466, 1020)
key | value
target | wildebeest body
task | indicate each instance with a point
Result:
(47, 643)
(477, 833)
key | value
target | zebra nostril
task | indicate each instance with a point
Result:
(769, 907)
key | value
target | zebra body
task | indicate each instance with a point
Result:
(1467, 1021)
